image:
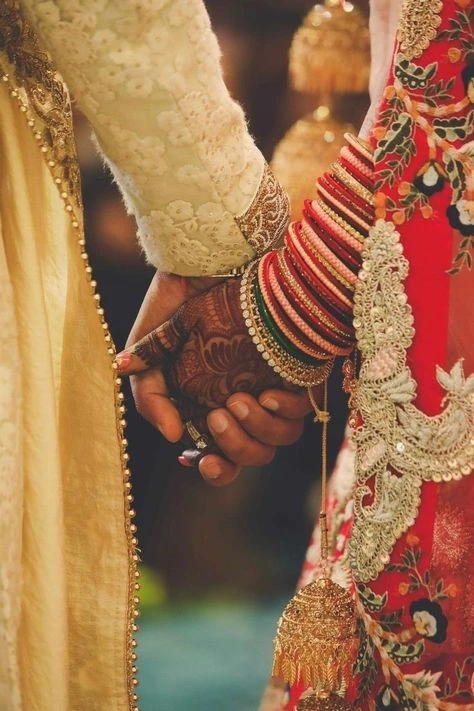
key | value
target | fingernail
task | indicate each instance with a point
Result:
(218, 422)
(123, 360)
(240, 410)
(184, 462)
(270, 404)
(211, 471)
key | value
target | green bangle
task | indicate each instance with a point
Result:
(287, 346)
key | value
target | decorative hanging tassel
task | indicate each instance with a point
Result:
(316, 644)
(330, 53)
(306, 150)
(316, 639)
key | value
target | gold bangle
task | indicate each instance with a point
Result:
(351, 183)
(285, 365)
(340, 221)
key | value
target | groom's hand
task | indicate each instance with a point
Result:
(248, 431)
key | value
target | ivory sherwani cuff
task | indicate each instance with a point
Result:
(147, 75)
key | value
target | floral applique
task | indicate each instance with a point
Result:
(421, 102)
(397, 645)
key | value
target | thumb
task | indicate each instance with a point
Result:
(152, 350)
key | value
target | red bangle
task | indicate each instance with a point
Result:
(303, 311)
(341, 250)
(361, 148)
(322, 250)
(338, 206)
(297, 320)
(351, 157)
(297, 338)
(315, 298)
(345, 251)
(355, 173)
(316, 285)
(295, 317)
(348, 198)
(333, 227)
(342, 295)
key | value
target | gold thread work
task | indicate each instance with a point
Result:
(398, 447)
(265, 221)
(418, 26)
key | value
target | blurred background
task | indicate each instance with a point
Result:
(219, 564)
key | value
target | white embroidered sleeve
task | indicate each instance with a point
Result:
(147, 75)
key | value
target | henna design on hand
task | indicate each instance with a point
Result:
(159, 345)
(213, 354)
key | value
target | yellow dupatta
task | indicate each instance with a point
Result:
(67, 546)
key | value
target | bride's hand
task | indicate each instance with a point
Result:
(166, 293)
(206, 354)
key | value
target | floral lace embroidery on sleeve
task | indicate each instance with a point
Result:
(147, 75)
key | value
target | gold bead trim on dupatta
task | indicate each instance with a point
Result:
(418, 25)
(42, 97)
(265, 221)
(398, 447)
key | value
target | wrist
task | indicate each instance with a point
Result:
(298, 301)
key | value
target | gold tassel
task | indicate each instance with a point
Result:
(316, 639)
(306, 151)
(313, 703)
(330, 53)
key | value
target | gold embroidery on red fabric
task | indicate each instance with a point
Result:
(398, 446)
(418, 25)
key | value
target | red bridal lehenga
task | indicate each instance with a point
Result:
(400, 505)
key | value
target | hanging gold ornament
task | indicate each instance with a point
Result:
(316, 644)
(316, 641)
(329, 54)
(331, 50)
(306, 151)
(313, 703)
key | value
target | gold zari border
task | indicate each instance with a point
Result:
(265, 221)
(41, 96)
(398, 447)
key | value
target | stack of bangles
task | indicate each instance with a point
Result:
(297, 301)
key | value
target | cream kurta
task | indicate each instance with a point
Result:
(148, 77)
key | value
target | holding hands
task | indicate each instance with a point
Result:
(193, 360)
